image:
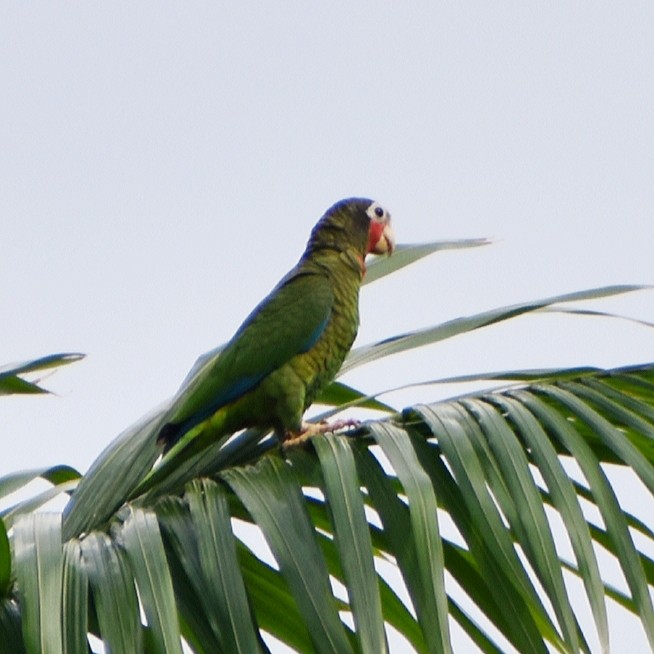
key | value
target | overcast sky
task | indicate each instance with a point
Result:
(162, 164)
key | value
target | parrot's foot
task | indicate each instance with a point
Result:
(309, 429)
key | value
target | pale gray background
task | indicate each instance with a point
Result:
(161, 165)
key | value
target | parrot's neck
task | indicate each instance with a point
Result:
(337, 263)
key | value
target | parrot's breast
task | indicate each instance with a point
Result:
(321, 363)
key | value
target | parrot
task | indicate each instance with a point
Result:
(293, 343)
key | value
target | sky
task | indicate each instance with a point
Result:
(162, 164)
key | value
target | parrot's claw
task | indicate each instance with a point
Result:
(309, 429)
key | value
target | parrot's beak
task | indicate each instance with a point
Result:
(386, 242)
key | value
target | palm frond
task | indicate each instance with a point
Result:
(487, 464)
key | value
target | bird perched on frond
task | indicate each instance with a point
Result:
(293, 343)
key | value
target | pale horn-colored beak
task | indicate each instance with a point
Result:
(386, 242)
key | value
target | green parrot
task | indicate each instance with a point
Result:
(293, 343)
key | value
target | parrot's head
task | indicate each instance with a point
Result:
(354, 223)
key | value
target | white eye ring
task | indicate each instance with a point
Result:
(376, 211)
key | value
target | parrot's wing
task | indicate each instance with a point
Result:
(287, 322)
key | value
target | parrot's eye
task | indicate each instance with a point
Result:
(377, 213)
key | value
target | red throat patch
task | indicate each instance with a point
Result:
(374, 234)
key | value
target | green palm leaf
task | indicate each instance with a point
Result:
(472, 460)
(11, 376)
